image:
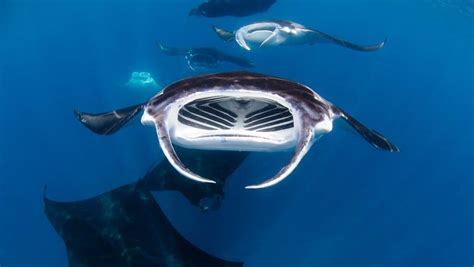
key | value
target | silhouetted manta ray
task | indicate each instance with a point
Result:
(123, 227)
(236, 8)
(126, 227)
(205, 57)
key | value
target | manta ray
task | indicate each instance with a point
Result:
(126, 226)
(283, 32)
(236, 8)
(235, 111)
(205, 57)
(121, 228)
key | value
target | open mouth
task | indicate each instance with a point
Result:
(262, 29)
(240, 116)
(235, 136)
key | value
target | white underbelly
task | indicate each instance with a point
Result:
(233, 140)
(235, 121)
(257, 36)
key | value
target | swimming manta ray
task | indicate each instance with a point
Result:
(127, 227)
(121, 228)
(205, 57)
(236, 8)
(283, 32)
(237, 111)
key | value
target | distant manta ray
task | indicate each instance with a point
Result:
(205, 57)
(283, 32)
(236, 8)
(237, 111)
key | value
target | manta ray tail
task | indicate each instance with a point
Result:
(321, 36)
(109, 122)
(373, 137)
(223, 34)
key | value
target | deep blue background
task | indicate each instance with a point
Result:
(346, 205)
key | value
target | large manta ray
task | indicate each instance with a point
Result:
(283, 32)
(205, 57)
(237, 111)
(126, 227)
(236, 8)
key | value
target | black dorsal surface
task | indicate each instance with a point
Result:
(122, 228)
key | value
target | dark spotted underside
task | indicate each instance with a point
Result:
(229, 113)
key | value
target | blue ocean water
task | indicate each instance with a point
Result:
(345, 205)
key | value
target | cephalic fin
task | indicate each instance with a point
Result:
(270, 38)
(304, 144)
(170, 154)
(241, 41)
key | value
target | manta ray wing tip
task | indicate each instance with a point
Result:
(197, 178)
(79, 115)
(252, 187)
(275, 180)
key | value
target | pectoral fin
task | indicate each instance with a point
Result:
(318, 36)
(375, 138)
(223, 34)
(172, 51)
(109, 122)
